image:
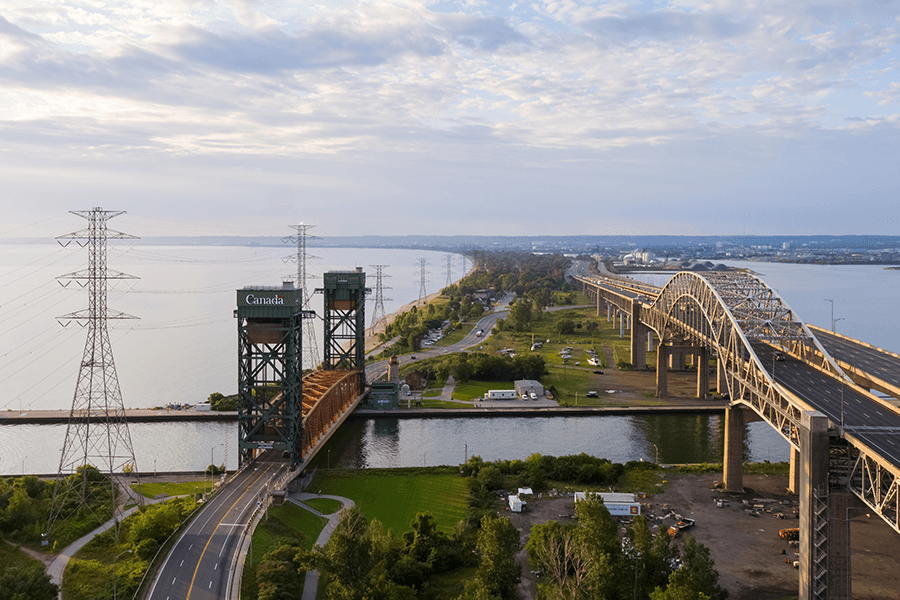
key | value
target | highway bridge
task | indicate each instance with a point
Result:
(812, 386)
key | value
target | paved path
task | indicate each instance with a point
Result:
(58, 566)
(311, 584)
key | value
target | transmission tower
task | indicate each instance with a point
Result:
(97, 433)
(378, 316)
(449, 270)
(422, 293)
(309, 332)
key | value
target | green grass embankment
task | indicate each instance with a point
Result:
(395, 496)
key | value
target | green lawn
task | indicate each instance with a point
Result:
(394, 497)
(326, 506)
(152, 490)
(471, 390)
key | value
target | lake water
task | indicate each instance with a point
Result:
(184, 347)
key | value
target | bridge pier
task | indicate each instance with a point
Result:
(702, 362)
(733, 456)
(621, 324)
(814, 448)
(662, 370)
(638, 355)
(794, 475)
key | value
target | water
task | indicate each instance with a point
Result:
(185, 347)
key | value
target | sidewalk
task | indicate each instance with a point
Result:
(311, 583)
(57, 566)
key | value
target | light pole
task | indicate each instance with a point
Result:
(115, 576)
(657, 451)
(835, 321)
(23, 465)
(832, 313)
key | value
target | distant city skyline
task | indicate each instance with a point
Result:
(447, 118)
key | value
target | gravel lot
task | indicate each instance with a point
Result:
(746, 549)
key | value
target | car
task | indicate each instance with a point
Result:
(598, 372)
(592, 394)
(779, 356)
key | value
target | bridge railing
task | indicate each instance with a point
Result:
(326, 395)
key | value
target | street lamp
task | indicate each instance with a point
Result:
(23, 465)
(832, 313)
(657, 451)
(835, 321)
(115, 575)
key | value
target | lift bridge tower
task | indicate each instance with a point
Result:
(270, 371)
(345, 317)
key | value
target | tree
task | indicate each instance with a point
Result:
(565, 326)
(696, 578)
(278, 576)
(27, 583)
(558, 551)
(498, 542)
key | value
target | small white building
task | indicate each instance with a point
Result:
(618, 504)
(516, 504)
(203, 406)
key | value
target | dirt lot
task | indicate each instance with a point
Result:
(746, 549)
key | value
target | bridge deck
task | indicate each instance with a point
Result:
(870, 362)
(872, 423)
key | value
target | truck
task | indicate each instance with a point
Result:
(500, 395)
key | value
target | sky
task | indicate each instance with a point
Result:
(491, 118)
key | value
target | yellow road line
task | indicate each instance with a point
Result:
(199, 560)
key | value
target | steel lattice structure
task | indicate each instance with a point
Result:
(730, 311)
(378, 315)
(97, 432)
(311, 347)
(422, 293)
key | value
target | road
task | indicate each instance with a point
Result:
(875, 425)
(485, 324)
(199, 566)
(866, 359)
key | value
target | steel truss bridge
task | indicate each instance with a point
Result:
(769, 361)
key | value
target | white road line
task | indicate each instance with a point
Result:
(182, 564)
(209, 587)
(173, 581)
(216, 568)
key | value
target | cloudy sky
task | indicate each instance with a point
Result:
(516, 117)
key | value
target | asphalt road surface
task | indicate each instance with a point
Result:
(871, 361)
(199, 565)
(875, 425)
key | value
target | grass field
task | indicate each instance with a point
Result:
(471, 390)
(394, 496)
(152, 490)
(456, 335)
(326, 506)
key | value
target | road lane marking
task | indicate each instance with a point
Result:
(173, 581)
(182, 563)
(199, 560)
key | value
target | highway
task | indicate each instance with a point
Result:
(872, 423)
(199, 565)
(867, 360)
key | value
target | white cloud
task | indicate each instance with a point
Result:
(442, 82)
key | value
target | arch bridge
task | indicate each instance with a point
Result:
(845, 440)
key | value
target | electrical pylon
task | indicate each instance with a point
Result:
(378, 316)
(449, 270)
(310, 346)
(97, 433)
(422, 293)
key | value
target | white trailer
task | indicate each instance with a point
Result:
(500, 395)
(516, 504)
(618, 504)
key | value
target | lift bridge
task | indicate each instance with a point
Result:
(280, 409)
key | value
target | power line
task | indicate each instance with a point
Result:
(378, 315)
(97, 433)
(310, 347)
(422, 293)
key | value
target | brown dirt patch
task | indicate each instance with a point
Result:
(746, 549)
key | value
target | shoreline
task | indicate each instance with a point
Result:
(54, 417)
